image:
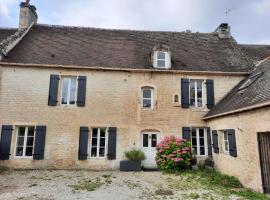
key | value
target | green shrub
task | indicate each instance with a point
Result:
(3, 169)
(173, 154)
(135, 155)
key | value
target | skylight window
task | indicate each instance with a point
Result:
(251, 80)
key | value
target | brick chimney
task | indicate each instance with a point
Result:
(28, 14)
(224, 30)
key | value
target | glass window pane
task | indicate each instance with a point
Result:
(201, 141)
(102, 142)
(94, 142)
(73, 90)
(161, 63)
(194, 150)
(199, 84)
(199, 94)
(19, 151)
(20, 141)
(154, 140)
(194, 133)
(225, 136)
(65, 90)
(161, 55)
(31, 131)
(30, 141)
(94, 132)
(102, 132)
(146, 93)
(145, 140)
(202, 151)
(192, 84)
(194, 141)
(101, 152)
(29, 151)
(147, 103)
(94, 152)
(201, 132)
(21, 131)
(192, 102)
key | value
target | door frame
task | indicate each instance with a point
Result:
(141, 144)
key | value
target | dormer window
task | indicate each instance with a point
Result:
(162, 60)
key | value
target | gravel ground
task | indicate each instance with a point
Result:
(110, 185)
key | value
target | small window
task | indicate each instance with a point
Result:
(98, 143)
(251, 80)
(225, 141)
(198, 141)
(25, 141)
(196, 93)
(147, 97)
(69, 90)
(162, 59)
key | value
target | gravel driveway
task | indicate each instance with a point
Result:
(109, 185)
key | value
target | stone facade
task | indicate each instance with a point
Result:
(112, 99)
(246, 166)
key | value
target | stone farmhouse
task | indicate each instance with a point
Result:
(78, 98)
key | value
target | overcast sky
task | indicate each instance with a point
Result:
(249, 19)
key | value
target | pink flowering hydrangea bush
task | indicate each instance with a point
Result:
(173, 154)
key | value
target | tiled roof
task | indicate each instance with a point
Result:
(5, 32)
(256, 52)
(127, 49)
(256, 94)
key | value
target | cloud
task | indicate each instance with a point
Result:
(5, 10)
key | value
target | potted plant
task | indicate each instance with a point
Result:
(134, 156)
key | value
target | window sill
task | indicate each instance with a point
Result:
(147, 109)
(23, 157)
(96, 158)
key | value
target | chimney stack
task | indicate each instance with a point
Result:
(28, 15)
(224, 30)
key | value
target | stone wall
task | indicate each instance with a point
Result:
(112, 99)
(246, 166)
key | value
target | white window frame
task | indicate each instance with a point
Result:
(151, 98)
(224, 141)
(167, 60)
(98, 143)
(24, 142)
(196, 93)
(69, 88)
(198, 141)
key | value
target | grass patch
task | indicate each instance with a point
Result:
(248, 194)
(194, 196)
(88, 185)
(3, 169)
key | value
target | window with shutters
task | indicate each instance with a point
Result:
(147, 97)
(162, 60)
(196, 93)
(98, 143)
(69, 90)
(225, 142)
(199, 141)
(25, 141)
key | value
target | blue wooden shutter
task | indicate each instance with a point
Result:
(232, 143)
(81, 91)
(210, 94)
(215, 141)
(209, 143)
(39, 147)
(83, 143)
(53, 90)
(185, 93)
(5, 143)
(112, 138)
(186, 133)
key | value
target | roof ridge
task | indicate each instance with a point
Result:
(124, 30)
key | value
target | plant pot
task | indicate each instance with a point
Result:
(127, 165)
